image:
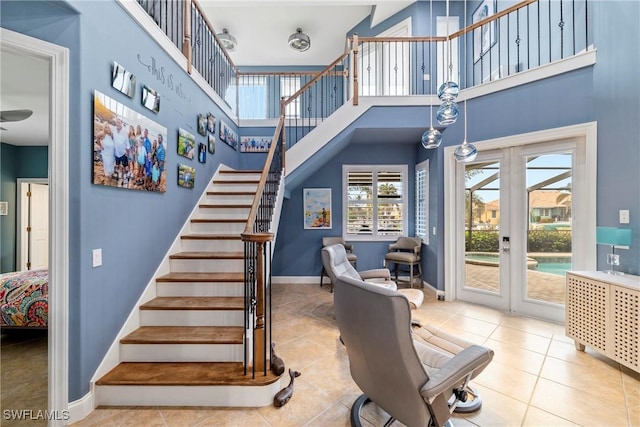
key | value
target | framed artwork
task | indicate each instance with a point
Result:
(186, 144)
(202, 125)
(228, 135)
(123, 80)
(4, 208)
(316, 204)
(202, 153)
(211, 123)
(485, 36)
(150, 99)
(186, 176)
(129, 149)
(255, 144)
(211, 142)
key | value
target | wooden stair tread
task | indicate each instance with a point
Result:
(236, 181)
(201, 277)
(185, 374)
(185, 335)
(208, 255)
(231, 193)
(241, 171)
(220, 220)
(211, 236)
(194, 303)
(211, 206)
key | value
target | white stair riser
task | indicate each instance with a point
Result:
(224, 396)
(207, 265)
(206, 245)
(235, 187)
(199, 289)
(231, 199)
(223, 213)
(238, 177)
(182, 352)
(218, 227)
(191, 318)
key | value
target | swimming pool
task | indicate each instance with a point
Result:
(552, 264)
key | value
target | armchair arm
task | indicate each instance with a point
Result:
(393, 247)
(379, 273)
(461, 365)
(348, 247)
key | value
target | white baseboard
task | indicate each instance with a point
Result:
(79, 409)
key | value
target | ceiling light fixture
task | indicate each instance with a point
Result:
(432, 138)
(299, 41)
(227, 40)
(465, 152)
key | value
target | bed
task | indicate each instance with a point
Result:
(24, 299)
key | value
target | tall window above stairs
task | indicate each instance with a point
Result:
(252, 97)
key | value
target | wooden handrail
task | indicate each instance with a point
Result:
(492, 18)
(281, 73)
(315, 79)
(248, 230)
(402, 39)
(213, 32)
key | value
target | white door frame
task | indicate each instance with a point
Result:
(584, 243)
(58, 332)
(19, 225)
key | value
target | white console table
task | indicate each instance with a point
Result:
(603, 312)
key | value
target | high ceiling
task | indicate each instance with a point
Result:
(262, 28)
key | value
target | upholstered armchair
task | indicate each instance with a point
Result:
(353, 258)
(405, 251)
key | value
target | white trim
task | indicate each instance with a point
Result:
(20, 231)
(584, 255)
(58, 353)
(423, 166)
(79, 409)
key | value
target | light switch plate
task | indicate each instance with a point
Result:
(624, 216)
(97, 257)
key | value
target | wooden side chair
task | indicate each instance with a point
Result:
(405, 251)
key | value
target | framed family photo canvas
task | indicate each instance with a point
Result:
(123, 80)
(485, 36)
(186, 144)
(186, 176)
(316, 204)
(228, 135)
(202, 124)
(255, 144)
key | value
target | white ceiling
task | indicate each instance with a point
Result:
(24, 84)
(262, 28)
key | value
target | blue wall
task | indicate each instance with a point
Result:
(101, 217)
(16, 162)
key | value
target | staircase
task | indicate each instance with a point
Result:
(189, 349)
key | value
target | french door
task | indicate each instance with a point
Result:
(518, 228)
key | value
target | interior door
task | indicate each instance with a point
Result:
(34, 226)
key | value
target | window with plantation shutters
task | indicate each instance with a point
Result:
(374, 202)
(422, 201)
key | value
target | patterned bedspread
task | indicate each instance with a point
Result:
(24, 298)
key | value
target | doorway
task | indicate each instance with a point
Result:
(32, 224)
(57, 58)
(522, 219)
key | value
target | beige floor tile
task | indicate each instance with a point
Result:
(631, 388)
(567, 351)
(332, 376)
(132, 417)
(526, 340)
(298, 354)
(537, 417)
(507, 380)
(336, 416)
(306, 403)
(483, 313)
(532, 326)
(516, 357)
(578, 405)
(471, 325)
(498, 409)
(233, 418)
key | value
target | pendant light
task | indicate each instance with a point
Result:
(432, 138)
(465, 152)
(448, 91)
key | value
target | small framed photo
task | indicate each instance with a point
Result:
(211, 141)
(202, 125)
(211, 123)
(316, 206)
(228, 135)
(123, 80)
(186, 176)
(150, 99)
(186, 144)
(4, 208)
(202, 153)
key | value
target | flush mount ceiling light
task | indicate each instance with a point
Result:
(299, 41)
(227, 40)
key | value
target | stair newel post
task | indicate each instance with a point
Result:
(186, 43)
(355, 69)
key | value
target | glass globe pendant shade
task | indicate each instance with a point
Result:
(465, 152)
(432, 138)
(447, 113)
(448, 91)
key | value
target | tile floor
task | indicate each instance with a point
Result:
(537, 378)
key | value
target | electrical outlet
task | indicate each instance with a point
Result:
(624, 216)
(97, 257)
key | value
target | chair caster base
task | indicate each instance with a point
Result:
(473, 403)
(357, 408)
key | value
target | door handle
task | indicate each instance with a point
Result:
(505, 244)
